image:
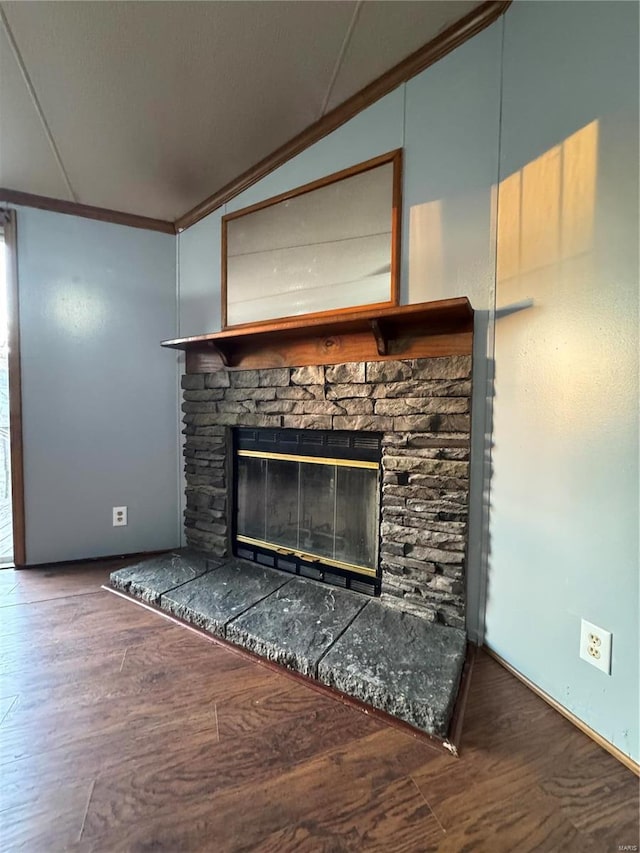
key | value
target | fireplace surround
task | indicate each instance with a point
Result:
(387, 392)
(421, 409)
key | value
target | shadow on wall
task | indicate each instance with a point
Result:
(480, 475)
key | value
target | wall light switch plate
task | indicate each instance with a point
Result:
(595, 646)
(119, 516)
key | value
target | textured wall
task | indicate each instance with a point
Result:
(564, 520)
(99, 396)
(422, 409)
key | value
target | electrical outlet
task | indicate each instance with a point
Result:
(595, 646)
(119, 516)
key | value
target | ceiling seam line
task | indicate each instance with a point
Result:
(36, 103)
(341, 55)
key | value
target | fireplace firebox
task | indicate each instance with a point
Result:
(308, 502)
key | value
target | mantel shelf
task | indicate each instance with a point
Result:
(425, 329)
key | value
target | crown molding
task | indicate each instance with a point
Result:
(73, 208)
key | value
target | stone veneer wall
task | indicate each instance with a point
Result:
(422, 408)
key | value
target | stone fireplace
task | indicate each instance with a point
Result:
(419, 408)
(327, 457)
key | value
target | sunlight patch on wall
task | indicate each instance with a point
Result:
(546, 259)
(78, 309)
(580, 168)
(426, 262)
(546, 210)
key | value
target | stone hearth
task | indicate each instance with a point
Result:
(422, 409)
(393, 661)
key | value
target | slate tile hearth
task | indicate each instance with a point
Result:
(393, 661)
(399, 664)
(298, 624)
(152, 578)
(212, 603)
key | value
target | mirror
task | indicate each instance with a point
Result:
(329, 246)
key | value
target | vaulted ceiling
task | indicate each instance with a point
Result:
(149, 107)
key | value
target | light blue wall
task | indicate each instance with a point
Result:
(564, 521)
(199, 277)
(451, 170)
(99, 396)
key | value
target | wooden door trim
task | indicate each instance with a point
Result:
(15, 388)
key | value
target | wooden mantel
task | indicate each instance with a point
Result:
(423, 330)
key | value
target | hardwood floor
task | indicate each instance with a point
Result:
(121, 731)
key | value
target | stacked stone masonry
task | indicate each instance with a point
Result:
(421, 407)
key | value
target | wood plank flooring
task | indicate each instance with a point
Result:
(120, 731)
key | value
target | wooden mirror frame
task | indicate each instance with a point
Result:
(394, 157)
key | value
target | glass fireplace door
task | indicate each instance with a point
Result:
(317, 508)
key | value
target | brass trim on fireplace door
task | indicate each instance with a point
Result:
(313, 460)
(304, 555)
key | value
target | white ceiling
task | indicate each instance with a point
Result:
(150, 107)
